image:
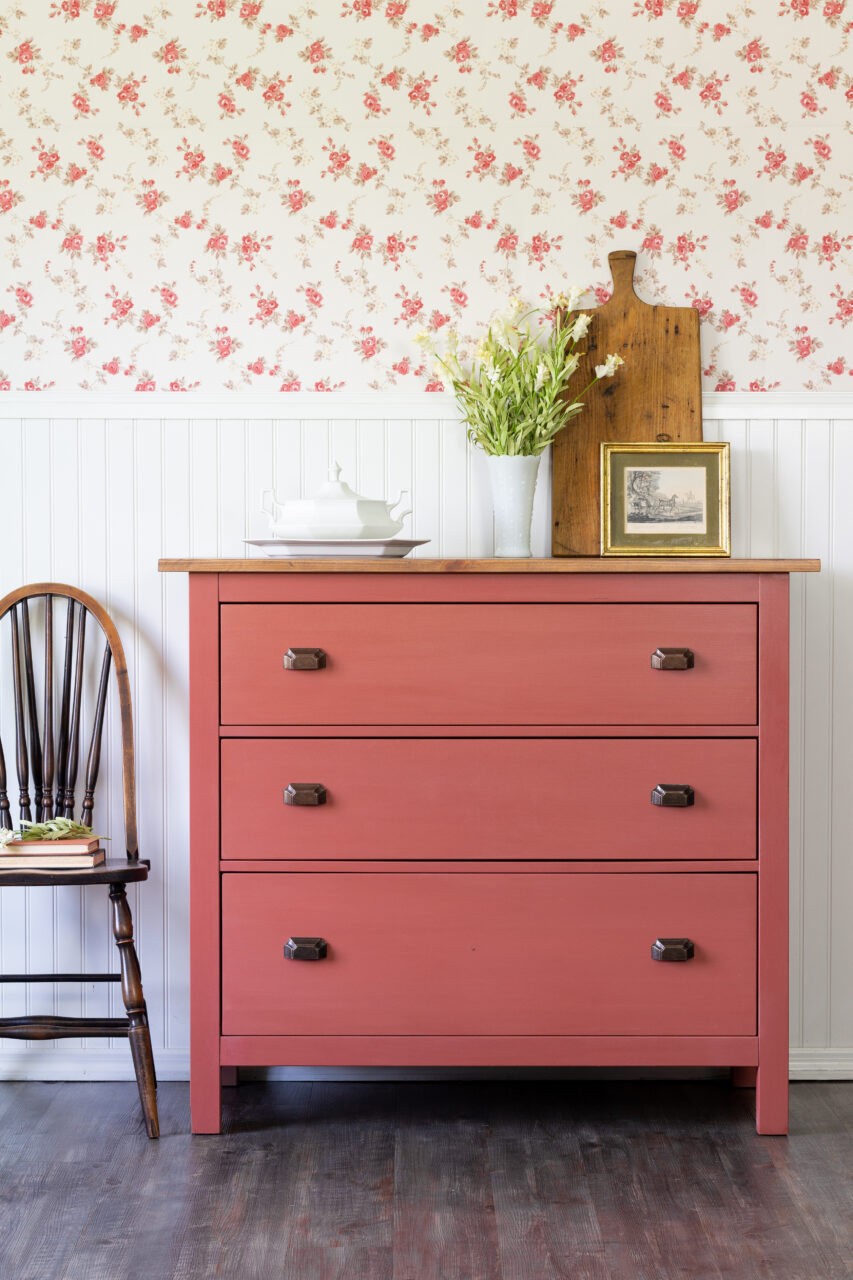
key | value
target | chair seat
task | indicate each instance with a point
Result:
(113, 871)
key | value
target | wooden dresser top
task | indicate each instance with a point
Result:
(563, 564)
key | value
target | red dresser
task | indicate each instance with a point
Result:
(489, 813)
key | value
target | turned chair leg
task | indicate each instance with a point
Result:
(137, 1014)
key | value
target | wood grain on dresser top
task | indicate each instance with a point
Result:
(591, 564)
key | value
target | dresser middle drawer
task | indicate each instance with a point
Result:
(495, 798)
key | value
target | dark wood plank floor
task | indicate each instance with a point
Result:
(495, 1180)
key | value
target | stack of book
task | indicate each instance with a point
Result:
(73, 852)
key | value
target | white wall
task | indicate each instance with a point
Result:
(93, 489)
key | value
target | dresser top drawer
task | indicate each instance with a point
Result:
(482, 664)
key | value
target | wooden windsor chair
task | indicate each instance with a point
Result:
(50, 756)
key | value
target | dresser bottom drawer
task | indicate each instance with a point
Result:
(446, 953)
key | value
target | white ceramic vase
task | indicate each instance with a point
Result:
(513, 481)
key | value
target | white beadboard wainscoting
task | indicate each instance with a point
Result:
(95, 488)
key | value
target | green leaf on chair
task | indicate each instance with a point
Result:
(54, 829)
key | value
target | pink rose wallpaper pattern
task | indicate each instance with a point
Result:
(234, 194)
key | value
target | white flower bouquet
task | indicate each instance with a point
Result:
(512, 388)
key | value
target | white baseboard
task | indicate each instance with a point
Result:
(824, 1063)
(34, 1061)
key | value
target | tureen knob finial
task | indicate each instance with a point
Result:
(335, 471)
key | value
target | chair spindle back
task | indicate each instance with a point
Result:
(47, 754)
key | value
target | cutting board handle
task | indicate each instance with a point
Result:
(622, 263)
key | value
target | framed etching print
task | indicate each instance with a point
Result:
(665, 500)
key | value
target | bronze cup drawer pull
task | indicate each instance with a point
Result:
(305, 793)
(304, 659)
(673, 795)
(664, 659)
(672, 949)
(306, 949)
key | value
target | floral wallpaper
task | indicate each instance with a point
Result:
(241, 194)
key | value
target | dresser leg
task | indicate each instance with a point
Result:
(771, 1097)
(771, 1092)
(206, 1099)
(744, 1077)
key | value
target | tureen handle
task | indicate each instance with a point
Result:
(268, 503)
(401, 515)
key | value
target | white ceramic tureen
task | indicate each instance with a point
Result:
(336, 512)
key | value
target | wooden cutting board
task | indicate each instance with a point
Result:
(655, 395)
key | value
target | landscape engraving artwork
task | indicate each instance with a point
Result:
(665, 500)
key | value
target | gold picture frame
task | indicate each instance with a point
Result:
(651, 506)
